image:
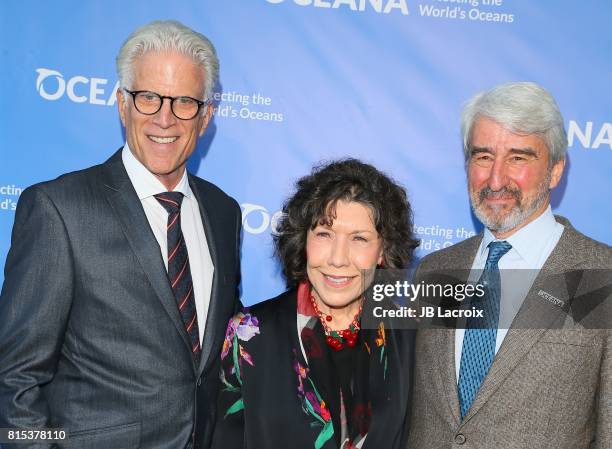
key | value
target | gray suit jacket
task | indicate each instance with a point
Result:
(91, 337)
(546, 389)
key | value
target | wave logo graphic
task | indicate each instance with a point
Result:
(52, 86)
(256, 219)
(43, 74)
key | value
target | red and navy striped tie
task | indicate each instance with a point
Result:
(179, 271)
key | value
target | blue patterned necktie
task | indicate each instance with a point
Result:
(179, 271)
(480, 335)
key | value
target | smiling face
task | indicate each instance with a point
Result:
(337, 254)
(162, 142)
(508, 177)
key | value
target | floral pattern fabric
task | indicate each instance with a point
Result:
(242, 327)
(313, 404)
(237, 357)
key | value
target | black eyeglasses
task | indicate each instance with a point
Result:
(149, 103)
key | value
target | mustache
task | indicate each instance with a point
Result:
(488, 193)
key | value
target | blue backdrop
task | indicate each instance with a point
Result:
(310, 80)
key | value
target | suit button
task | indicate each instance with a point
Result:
(460, 438)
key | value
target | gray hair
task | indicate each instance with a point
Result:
(522, 108)
(168, 35)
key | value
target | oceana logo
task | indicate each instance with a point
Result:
(590, 135)
(379, 6)
(256, 219)
(52, 86)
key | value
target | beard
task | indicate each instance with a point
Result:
(497, 218)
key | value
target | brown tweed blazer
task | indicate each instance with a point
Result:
(546, 389)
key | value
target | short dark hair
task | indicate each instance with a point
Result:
(314, 202)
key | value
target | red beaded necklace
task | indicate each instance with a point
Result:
(337, 340)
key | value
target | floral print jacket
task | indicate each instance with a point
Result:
(269, 399)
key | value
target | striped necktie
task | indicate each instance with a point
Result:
(179, 271)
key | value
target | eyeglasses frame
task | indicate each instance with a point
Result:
(133, 94)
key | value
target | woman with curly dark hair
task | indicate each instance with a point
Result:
(298, 370)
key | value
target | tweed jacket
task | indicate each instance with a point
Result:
(549, 387)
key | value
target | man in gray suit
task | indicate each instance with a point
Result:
(546, 382)
(121, 277)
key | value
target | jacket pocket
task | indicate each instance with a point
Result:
(123, 436)
(573, 337)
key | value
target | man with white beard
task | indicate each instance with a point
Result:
(546, 385)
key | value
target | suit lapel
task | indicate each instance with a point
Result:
(446, 371)
(462, 260)
(533, 319)
(211, 333)
(127, 207)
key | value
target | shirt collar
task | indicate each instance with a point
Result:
(530, 240)
(145, 183)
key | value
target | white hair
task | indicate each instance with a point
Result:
(521, 108)
(168, 35)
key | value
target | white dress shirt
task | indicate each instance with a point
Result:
(531, 246)
(202, 269)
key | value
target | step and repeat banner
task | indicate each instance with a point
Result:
(309, 80)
